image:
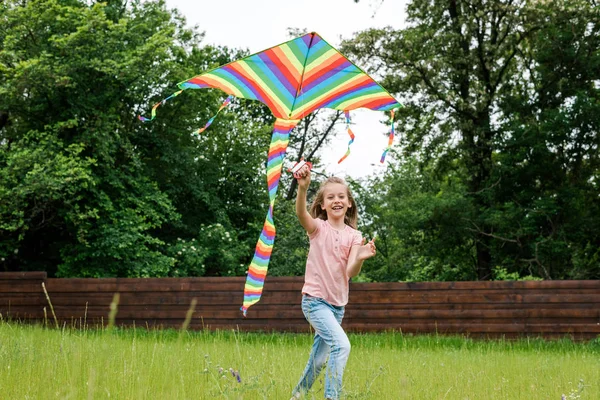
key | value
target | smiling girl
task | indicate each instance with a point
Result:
(337, 251)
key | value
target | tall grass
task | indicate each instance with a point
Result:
(42, 363)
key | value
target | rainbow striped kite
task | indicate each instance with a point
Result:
(293, 79)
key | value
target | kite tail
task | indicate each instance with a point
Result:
(260, 262)
(347, 113)
(144, 119)
(210, 121)
(390, 140)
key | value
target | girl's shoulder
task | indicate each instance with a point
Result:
(355, 235)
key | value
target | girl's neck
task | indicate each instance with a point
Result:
(337, 223)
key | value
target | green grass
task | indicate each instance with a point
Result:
(42, 363)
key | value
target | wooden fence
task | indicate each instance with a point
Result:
(478, 309)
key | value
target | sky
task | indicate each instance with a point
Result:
(256, 25)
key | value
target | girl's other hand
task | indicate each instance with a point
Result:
(366, 251)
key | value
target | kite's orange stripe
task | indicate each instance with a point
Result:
(262, 247)
(253, 292)
(284, 125)
(278, 148)
(256, 269)
(214, 83)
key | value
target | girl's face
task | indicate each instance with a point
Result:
(335, 200)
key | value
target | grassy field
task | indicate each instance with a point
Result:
(42, 363)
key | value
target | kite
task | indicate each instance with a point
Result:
(293, 79)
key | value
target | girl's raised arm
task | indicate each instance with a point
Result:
(307, 222)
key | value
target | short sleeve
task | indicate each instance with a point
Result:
(357, 239)
(315, 233)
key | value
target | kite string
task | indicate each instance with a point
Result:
(390, 140)
(347, 113)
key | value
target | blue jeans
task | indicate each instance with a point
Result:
(330, 339)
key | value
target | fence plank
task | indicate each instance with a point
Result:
(14, 276)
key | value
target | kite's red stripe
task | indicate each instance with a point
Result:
(259, 276)
(282, 62)
(331, 63)
(373, 103)
(295, 72)
(262, 256)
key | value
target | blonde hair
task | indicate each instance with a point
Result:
(351, 217)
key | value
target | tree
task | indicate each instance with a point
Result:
(413, 214)
(85, 188)
(547, 163)
(466, 71)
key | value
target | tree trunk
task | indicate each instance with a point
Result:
(480, 165)
(484, 259)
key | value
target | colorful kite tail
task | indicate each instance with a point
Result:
(210, 121)
(390, 140)
(260, 262)
(160, 103)
(350, 133)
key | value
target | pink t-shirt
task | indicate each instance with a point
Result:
(326, 276)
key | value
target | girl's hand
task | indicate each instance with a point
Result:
(304, 177)
(366, 251)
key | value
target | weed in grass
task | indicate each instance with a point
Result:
(189, 314)
(575, 394)
(114, 308)
(50, 303)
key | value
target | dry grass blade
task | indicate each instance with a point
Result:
(188, 315)
(50, 303)
(114, 308)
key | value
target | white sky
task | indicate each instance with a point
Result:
(259, 24)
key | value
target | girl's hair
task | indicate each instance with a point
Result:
(316, 211)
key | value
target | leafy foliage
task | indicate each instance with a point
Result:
(499, 139)
(86, 190)
(497, 178)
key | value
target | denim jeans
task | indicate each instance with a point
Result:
(330, 339)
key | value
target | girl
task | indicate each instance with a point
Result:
(337, 251)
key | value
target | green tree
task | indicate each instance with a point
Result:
(501, 97)
(77, 187)
(547, 163)
(85, 188)
(413, 214)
